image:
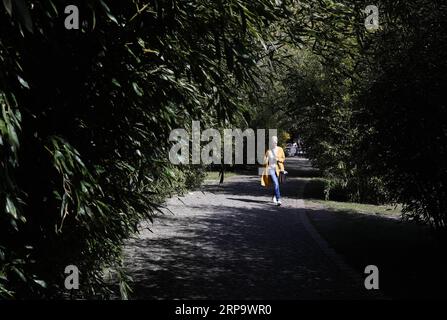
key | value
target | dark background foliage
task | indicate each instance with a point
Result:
(404, 108)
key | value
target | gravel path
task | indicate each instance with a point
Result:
(231, 242)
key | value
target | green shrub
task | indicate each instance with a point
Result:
(85, 122)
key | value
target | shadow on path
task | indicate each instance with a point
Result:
(230, 242)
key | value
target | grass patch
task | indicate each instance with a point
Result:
(411, 262)
(215, 175)
(382, 210)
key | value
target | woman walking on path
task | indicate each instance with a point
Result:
(274, 165)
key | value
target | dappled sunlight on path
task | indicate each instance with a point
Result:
(230, 242)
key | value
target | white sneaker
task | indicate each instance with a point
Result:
(275, 201)
(278, 203)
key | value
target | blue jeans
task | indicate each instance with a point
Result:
(275, 183)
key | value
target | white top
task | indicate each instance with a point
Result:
(272, 158)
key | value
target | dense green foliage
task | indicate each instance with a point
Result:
(85, 121)
(370, 106)
(404, 112)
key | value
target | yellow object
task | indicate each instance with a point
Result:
(280, 158)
